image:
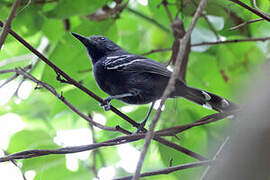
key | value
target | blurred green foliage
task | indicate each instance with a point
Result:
(222, 69)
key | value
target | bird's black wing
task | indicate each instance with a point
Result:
(134, 63)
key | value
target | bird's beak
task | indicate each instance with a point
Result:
(81, 38)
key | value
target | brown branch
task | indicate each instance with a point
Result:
(6, 27)
(208, 22)
(245, 23)
(171, 86)
(210, 25)
(60, 97)
(178, 33)
(258, 9)
(180, 148)
(14, 76)
(165, 4)
(171, 169)
(205, 120)
(15, 164)
(153, 21)
(156, 50)
(258, 13)
(26, 6)
(210, 43)
(74, 149)
(231, 41)
(94, 152)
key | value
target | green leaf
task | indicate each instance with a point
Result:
(68, 8)
(53, 29)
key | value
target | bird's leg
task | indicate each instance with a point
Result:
(107, 102)
(142, 124)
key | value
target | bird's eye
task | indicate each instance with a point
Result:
(102, 38)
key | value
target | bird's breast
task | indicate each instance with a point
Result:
(110, 81)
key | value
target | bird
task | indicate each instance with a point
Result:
(136, 79)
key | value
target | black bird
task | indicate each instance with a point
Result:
(136, 79)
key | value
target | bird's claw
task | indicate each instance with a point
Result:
(106, 104)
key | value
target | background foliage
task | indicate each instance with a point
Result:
(223, 69)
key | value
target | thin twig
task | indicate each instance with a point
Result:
(258, 9)
(210, 25)
(156, 50)
(255, 11)
(9, 80)
(6, 27)
(153, 21)
(245, 23)
(8, 61)
(165, 4)
(180, 148)
(221, 148)
(210, 43)
(28, 4)
(208, 22)
(231, 41)
(171, 85)
(74, 149)
(205, 120)
(171, 169)
(15, 164)
(94, 152)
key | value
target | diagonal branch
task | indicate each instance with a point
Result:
(231, 41)
(245, 23)
(22, 72)
(74, 149)
(6, 27)
(171, 86)
(211, 43)
(153, 21)
(221, 148)
(205, 120)
(255, 11)
(171, 169)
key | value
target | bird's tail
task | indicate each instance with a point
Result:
(208, 100)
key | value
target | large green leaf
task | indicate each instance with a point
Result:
(68, 8)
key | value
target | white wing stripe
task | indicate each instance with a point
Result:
(112, 59)
(125, 64)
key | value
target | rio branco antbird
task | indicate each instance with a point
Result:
(136, 79)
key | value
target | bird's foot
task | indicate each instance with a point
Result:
(106, 104)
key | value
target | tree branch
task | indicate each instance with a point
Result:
(153, 21)
(221, 148)
(171, 86)
(171, 169)
(74, 149)
(6, 27)
(22, 72)
(205, 120)
(245, 23)
(255, 11)
(231, 41)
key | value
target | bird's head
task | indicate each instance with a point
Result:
(98, 46)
